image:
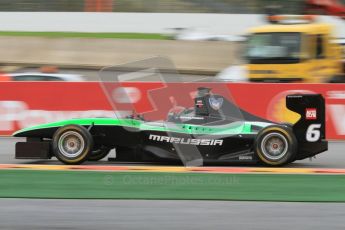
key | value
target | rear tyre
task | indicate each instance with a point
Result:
(99, 153)
(275, 145)
(287, 124)
(72, 144)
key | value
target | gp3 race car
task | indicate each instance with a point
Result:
(208, 133)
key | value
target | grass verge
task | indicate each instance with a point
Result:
(156, 185)
(86, 35)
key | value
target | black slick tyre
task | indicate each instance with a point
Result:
(72, 144)
(275, 145)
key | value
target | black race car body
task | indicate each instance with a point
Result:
(203, 134)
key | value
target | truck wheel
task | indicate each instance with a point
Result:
(275, 145)
(99, 153)
(72, 144)
(337, 79)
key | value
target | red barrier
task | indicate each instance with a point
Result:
(24, 104)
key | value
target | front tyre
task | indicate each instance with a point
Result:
(72, 144)
(275, 145)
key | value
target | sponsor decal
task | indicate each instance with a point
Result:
(216, 103)
(185, 141)
(310, 114)
(245, 158)
(199, 104)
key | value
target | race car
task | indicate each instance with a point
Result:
(213, 131)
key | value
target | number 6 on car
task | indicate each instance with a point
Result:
(313, 132)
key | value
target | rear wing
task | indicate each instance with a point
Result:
(310, 129)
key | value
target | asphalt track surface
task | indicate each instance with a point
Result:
(144, 214)
(42, 214)
(333, 158)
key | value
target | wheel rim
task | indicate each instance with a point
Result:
(71, 144)
(274, 146)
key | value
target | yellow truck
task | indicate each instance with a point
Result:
(294, 49)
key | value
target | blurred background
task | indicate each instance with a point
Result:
(71, 40)
(168, 6)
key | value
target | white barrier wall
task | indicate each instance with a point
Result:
(230, 24)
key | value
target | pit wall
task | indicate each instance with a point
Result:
(23, 104)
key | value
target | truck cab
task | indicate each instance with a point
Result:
(293, 49)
